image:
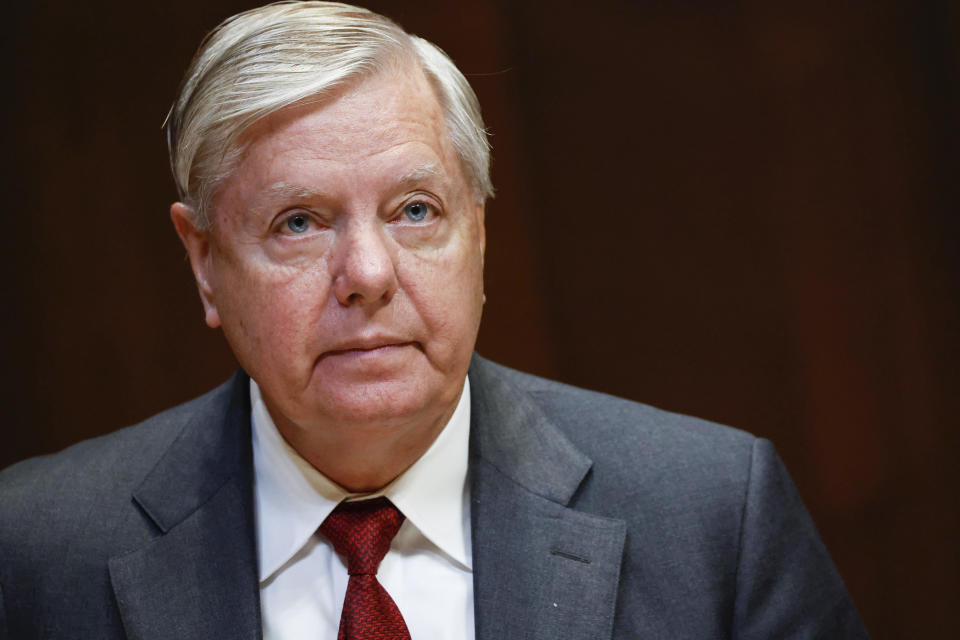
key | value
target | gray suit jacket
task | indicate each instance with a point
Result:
(592, 517)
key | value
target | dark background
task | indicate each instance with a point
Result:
(740, 210)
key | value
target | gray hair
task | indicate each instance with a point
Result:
(260, 61)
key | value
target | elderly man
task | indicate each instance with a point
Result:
(365, 475)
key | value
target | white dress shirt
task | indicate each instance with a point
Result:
(428, 569)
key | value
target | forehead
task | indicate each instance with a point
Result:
(389, 122)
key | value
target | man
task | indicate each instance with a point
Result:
(353, 478)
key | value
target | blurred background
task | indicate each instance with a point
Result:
(745, 211)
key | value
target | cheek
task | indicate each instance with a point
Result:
(268, 312)
(446, 288)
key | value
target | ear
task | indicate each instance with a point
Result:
(481, 228)
(480, 212)
(197, 244)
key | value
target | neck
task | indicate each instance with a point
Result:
(362, 458)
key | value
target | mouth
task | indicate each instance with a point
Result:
(367, 347)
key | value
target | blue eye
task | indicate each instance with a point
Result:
(416, 211)
(298, 223)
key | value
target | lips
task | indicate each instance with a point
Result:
(370, 345)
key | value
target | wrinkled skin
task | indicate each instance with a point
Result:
(345, 266)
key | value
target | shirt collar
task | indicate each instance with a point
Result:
(293, 498)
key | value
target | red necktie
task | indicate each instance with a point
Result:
(361, 531)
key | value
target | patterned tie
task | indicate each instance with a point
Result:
(361, 531)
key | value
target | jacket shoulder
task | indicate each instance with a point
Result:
(711, 515)
(643, 459)
(607, 427)
(93, 476)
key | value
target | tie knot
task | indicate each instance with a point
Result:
(362, 531)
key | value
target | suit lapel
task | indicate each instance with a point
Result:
(541, 569)
(198, 579)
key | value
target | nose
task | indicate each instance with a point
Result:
(364, 270)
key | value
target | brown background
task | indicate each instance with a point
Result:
(740, 210)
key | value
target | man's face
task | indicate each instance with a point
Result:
(345, 259)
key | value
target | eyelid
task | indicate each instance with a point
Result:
(432, 204)
(279, 224)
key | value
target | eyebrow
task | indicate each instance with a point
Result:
(419, 174)
(293, 191)
(287, 191)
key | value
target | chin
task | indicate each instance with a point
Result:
(391, 403)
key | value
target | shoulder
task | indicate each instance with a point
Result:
(64, 516)
(90, 479)
(612, 430)
(690, 474)
(711, 517)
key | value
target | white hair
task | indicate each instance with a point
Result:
(260, 61)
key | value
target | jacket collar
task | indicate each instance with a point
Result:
(198, 579)
(511, 433)
(541, 568)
